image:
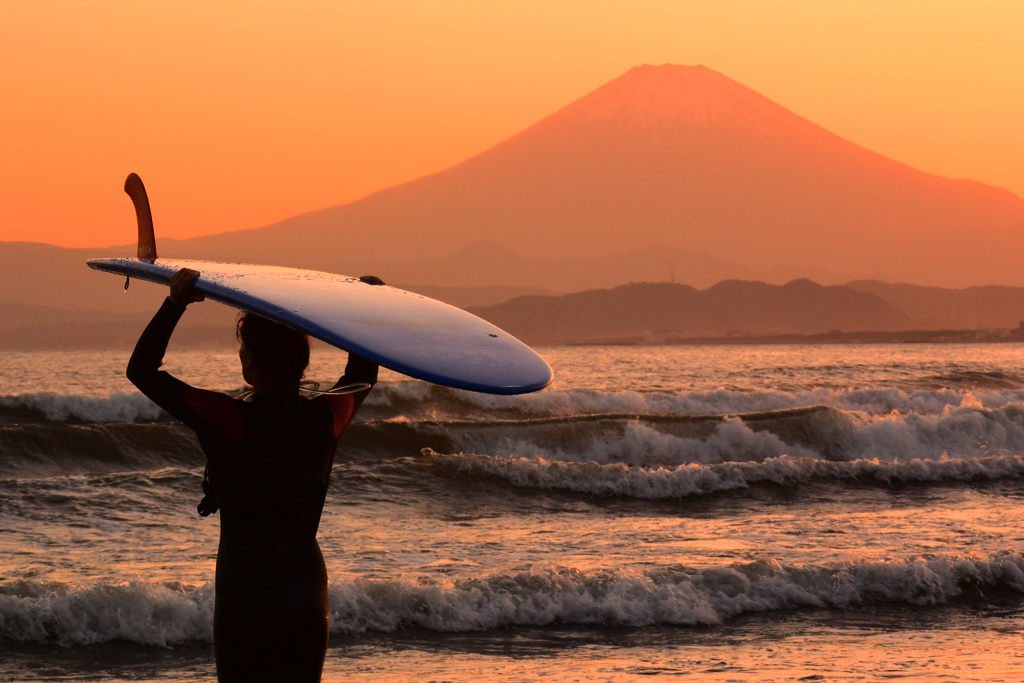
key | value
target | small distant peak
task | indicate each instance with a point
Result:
(802, 283)
(733, 285)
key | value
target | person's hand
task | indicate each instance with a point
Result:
(371, 280)
(181, 288)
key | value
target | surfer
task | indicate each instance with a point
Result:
(268, 464)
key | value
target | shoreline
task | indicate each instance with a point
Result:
(210, 337)
(1001, 336)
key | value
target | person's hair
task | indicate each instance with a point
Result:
(276, 348)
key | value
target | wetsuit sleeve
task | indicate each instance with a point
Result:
(199, 409)
(358, 370)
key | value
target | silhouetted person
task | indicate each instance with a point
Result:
(268, 464)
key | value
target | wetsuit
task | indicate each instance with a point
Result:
(268, 464)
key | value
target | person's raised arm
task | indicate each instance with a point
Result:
(190, 405)
(144, 366)
(359, 370)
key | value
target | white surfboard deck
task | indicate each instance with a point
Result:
(405, 332)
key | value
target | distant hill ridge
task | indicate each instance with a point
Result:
(636, 312)
(654, 311)
(937, 308)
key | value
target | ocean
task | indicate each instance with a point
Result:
(707, 513)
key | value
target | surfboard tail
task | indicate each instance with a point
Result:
(147, 239)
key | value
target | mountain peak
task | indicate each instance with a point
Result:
(674, 95)
(683, 158)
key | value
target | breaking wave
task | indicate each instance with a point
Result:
(168, 614)
(660, 483)
(417, 401)
(51, 407)
(126, 431)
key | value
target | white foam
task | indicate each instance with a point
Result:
(548, 594)
(656, 483)
(718, 402)
(139, 612)
(421, 398)
(967, 431)
(117, 407)
(645, 445)
(165, 615)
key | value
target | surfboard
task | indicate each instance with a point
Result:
(411, 334)
(405, 332)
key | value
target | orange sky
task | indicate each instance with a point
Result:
(239, 114)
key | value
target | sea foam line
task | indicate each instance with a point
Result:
(548, 595)
(117, 407)
(416, 397)
(820, 432)
(419, 400)
(162, 615)
(657, 483)
(139, 612)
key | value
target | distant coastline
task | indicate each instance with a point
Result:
(219, 337)
(994, 336)
(732, 312)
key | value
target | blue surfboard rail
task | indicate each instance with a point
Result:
(402, 331)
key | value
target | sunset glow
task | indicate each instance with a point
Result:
(239, 115)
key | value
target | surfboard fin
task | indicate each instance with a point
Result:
(147, 239)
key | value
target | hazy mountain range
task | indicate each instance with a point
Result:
(666, 174)
(677, 158)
